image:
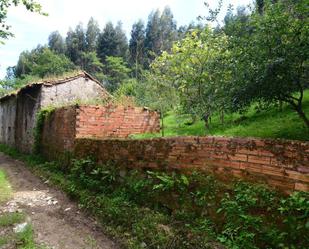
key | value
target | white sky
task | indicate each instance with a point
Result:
(32, 29)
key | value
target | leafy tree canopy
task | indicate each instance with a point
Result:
(30, 5)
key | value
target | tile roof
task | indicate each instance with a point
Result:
(51, 82)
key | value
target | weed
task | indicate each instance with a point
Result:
(8, 219)
(5, 188)
(160, 209)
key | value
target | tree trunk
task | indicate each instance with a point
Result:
(162, 126)
(222, 117)
(302, 115)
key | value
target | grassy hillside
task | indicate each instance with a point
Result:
(270, 123)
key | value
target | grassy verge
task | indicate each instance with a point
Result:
(156, 209)
(269, 123)
(9, 239)
(5, 189)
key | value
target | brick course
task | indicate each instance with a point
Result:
(247, 158)
(115, 121)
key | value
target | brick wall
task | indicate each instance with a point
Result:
(279, 163)
(66, 124)
(58, 134)
(115, 121)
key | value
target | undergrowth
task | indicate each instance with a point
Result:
(40, 119)
(157, 209)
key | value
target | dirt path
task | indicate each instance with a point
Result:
(57, 221)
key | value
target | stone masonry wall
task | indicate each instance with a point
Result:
(279, 163)
(115, 121)
(7, 121)
(74, 91)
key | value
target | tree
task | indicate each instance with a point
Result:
(90, 62)
(106, 43)
(56, 43)
(112, 42)
(5, 4)
(168, 29)
(92, 35)
(270, 59)
(161, 32)
(152, 40)
(122, 42)
(196, 67)
(42, 62)
(157, 92)
(136, 46)
(76, 44)
(116, 71)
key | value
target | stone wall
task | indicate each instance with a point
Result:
(28, 104)
(279, 163)
(77, 90)
(7, 121)
(115, 121)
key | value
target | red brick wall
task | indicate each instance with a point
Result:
(67, 123)
(58, 133)
(279, 163)
(115, 121)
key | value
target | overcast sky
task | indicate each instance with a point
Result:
(31, 29)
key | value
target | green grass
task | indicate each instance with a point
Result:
(5, 189)
(9, 219)
(270, 123)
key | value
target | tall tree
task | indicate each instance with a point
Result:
(168, 29)
(161, 32)
(122, 42)
(106, 42)
(136, 46)
(56, 42)
(80, 37)
(76, 44)
(92, 35)
(71, 45)
(152, 40)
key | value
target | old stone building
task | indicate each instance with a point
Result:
(18, 110)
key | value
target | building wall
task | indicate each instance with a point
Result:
(7, 121)
(115, 121)
(58, 134)
(78, 90)
(279, 163)
(18, 112)
(65, 124)
(28, 105)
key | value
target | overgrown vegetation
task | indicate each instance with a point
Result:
(42, 115)
(156, 209)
